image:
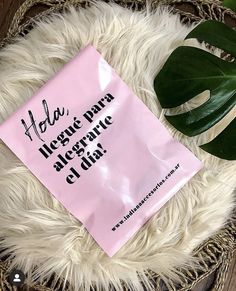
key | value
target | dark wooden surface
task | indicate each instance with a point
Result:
(230, 284)
(7, 11)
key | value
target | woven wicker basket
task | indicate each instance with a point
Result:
(216, 253)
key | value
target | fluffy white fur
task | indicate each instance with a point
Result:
(34, 227)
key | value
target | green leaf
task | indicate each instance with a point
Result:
(227, 136)
(187, 78)
(190, 71)
(230, 4)
(217, 34)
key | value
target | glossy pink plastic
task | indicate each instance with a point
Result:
(98, 149)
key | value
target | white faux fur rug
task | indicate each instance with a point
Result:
(33, 225)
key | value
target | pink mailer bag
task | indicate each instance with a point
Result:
(98, 149)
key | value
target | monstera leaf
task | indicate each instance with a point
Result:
(190, 71)
(230, 4)
(226, 136)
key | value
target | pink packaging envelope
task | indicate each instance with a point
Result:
(98, 149)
